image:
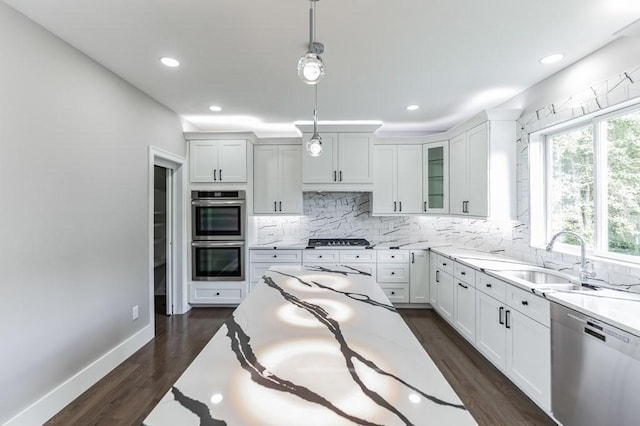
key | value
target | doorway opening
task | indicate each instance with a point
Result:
(162, 300)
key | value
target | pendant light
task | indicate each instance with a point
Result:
(310, 66)
(314, 145)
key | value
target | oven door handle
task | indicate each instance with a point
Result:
(217, 244)
(207, 203)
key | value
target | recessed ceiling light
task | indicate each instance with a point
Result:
(413, 107)
(170, 62)
(551, 59)
(215, 108)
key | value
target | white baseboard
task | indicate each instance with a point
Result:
(50, 404)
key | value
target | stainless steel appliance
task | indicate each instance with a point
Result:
(338, 242)
(217, 261)
(218, 215)
(595, 371)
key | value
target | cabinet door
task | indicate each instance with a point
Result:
(355, 158)
(384, 183)
(465, 310)
(445, 296)
(435, 170)
(409, 178)
(419, 277)
(232, 161)
(290, 179)
(265, 179)
(203, 161)
(490, 329)
(459, 176)
(433, 284)
(324, 168)
(529, 357)
(477, 165)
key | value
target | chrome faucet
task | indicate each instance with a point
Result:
(584, 274)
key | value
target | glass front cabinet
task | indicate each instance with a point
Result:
(436, 177)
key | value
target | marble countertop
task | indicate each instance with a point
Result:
(285, 245)
(279, 245)
(312, 346)
(618, 308)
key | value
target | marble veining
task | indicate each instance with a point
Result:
(312, 346)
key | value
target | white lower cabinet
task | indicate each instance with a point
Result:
(261, 260)
(465, 309)
(446, 295)
(392, 274)
(513, 340)
(212, 293)
(419, 276)
(433, 284)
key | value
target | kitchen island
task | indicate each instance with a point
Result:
(312, 346)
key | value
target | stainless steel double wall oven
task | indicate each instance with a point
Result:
(218, 222)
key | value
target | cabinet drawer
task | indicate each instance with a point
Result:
(369, 268)
(320, 256)
(276, 256)
(464, 273)
(491, 286)
(529, 304)
(257, 270)
(393, 256)
(398, 294)
(212, 294)
(357, 256)
(392, 273)
(445, 264)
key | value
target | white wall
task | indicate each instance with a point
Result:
(73, 213)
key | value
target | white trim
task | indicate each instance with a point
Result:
(50, 404)
(176, 163)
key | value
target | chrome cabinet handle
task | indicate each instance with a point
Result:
(500, 311)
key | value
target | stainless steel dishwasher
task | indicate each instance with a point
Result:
(595, 371)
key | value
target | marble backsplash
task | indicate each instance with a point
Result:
(348, 215)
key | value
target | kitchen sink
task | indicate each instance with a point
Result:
(539, 277)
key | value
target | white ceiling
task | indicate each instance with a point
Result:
(452, 57)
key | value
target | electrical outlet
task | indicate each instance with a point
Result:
(134, 312)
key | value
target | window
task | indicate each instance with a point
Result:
(585, 177)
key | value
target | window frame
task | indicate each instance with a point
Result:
(540, 190)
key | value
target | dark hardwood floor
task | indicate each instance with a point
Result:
(127, 394)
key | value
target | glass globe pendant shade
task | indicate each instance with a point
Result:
(314, 145)
(310, 68)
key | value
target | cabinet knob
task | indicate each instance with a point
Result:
(393, 257)
(358, 257)
(320, 257)
(393, 292)
(525, 303)
(275, 255)
(218, 294)
(393, 273)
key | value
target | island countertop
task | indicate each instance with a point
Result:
(312, 346)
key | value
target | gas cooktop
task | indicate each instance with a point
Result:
(338, 242)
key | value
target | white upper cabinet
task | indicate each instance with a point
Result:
(397, 187)
(435, 172)
(218, 161)
(346, 160)
(277, 186)
(482, 171)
